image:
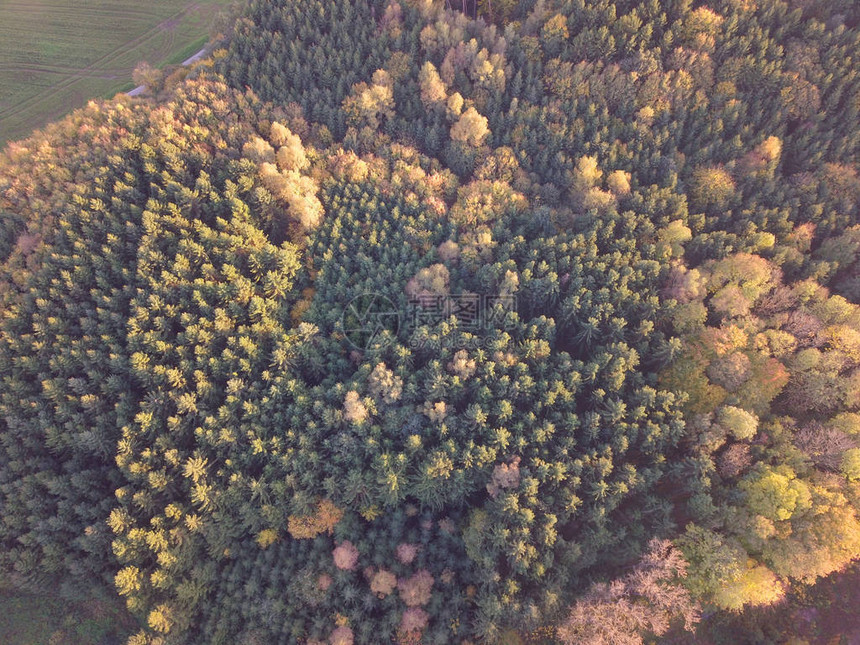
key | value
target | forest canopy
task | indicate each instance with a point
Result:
(395, 323)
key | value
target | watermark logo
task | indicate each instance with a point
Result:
(367, 317)
(473, 311)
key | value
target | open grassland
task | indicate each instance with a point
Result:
(57, 54)
(30, 619)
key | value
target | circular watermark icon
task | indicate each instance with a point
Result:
(366, 317)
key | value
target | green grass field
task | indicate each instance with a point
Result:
(57, 54)
(28, 619)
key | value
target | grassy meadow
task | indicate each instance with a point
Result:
(29, 619)
(57, 54)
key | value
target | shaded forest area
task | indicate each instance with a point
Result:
(655, 419)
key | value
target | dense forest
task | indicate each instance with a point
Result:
(398, 321)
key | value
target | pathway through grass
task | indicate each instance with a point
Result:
(57, 54)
